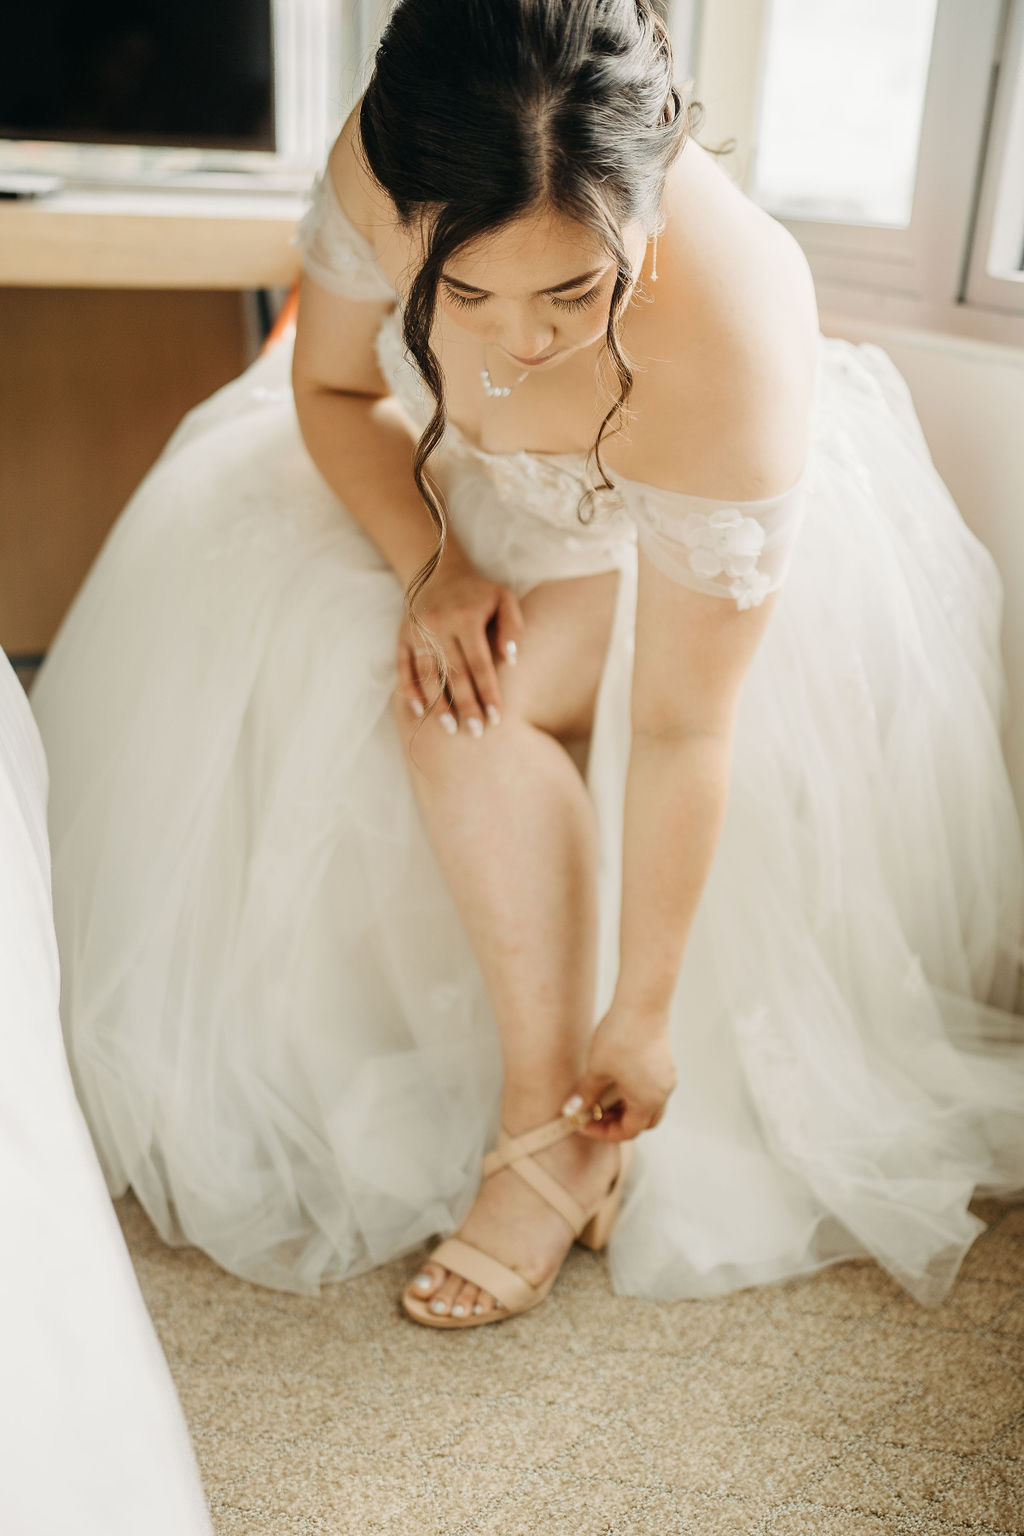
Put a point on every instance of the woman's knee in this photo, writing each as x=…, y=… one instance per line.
x=422, y=733
x=554, y=684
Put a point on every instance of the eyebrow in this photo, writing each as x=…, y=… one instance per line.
x=573, y=282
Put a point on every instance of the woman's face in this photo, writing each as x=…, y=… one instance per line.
x=537, y=290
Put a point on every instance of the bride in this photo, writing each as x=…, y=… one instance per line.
x=552, y=708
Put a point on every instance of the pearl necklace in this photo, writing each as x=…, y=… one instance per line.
x=497, y=391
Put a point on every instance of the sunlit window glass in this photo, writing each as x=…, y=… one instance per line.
x=841, y=105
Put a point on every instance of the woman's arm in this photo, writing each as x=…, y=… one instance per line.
x=693, y=650
x=692, y=654
x=676, y=792
x=356, y=432
x=363, y=447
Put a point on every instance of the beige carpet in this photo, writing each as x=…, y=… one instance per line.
x=831, y=1405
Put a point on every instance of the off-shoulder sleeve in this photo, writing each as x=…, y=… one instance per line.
x=734, y=549
x=334, y=253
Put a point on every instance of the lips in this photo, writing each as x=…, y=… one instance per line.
x=532, y=362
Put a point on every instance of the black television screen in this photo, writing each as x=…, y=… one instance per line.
x=171, y=72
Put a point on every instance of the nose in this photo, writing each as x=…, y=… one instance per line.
x=527, y=336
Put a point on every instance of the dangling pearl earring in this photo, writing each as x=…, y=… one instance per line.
x=654, y=259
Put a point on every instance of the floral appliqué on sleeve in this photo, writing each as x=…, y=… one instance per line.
x=726, y=542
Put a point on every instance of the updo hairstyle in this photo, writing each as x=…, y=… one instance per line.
x=481, y=111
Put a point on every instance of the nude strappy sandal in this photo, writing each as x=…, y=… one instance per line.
x=515, y=1293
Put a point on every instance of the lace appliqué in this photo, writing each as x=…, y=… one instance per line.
x=724, y=541
x=740, y=551
x=544, y=486
x=401, y=372
x=334, y=253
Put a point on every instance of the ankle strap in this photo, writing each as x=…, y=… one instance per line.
x=515, y=1152
x=511, y=1148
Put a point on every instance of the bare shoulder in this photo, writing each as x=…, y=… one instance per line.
x=364, y=202
x=726, y=349
x=353, y=184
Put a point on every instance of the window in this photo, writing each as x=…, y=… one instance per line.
x=840, y=120
x=888, y=136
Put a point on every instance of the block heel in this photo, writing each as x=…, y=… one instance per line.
x=598, y=1229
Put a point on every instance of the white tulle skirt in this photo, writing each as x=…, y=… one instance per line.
x=279, y=1033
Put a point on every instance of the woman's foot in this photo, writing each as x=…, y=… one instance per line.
x=510, y=1221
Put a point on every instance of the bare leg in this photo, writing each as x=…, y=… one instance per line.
x=515, y=834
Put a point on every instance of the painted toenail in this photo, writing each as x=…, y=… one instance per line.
x=478, y=1309
x=439, y=1306
x=458, y=1310
x=423, y=1282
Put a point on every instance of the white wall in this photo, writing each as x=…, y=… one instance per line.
x=969, y=397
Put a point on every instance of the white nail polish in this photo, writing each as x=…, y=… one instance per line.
x=458, y=1310
x=475, y=726
x=492, y=714
x=438, y=1307
x=449, y=724
x=511, y=652
x=422, y=1282
x=478, y=1309
x=416, y=707
x=572, y=1106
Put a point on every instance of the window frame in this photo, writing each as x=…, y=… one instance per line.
x=933, y=274
x=995, y=272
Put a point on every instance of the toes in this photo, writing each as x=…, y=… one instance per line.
x=442, y=1300
x=465, y=1301
x=448, y=1294
x=427, y=1280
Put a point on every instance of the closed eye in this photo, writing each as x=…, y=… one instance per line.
x=464, y=301
x=582, y=302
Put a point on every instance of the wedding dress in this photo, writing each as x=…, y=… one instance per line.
x=94, y=1439
x=279, y=1033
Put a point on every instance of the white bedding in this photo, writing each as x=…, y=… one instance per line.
x=92, y=1437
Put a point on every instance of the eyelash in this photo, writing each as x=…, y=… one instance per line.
x=583, y=302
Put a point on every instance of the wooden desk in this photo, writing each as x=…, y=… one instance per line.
x=159, y=238
x=119, y=311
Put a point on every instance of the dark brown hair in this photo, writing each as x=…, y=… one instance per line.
x=480, y=111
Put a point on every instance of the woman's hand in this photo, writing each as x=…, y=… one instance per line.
x=476, y=621
x=629, y=1075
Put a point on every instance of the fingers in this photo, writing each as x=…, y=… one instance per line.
x=610, y=1129
x=580, y=1103
x=480, y=662
x=469, y=711
x=618, y=1128
x=508, y=627
x=602, y=1113
x=619, y=1119
x=473, y=693
x=472, y=697
x=419, y=682
x=409, y=686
